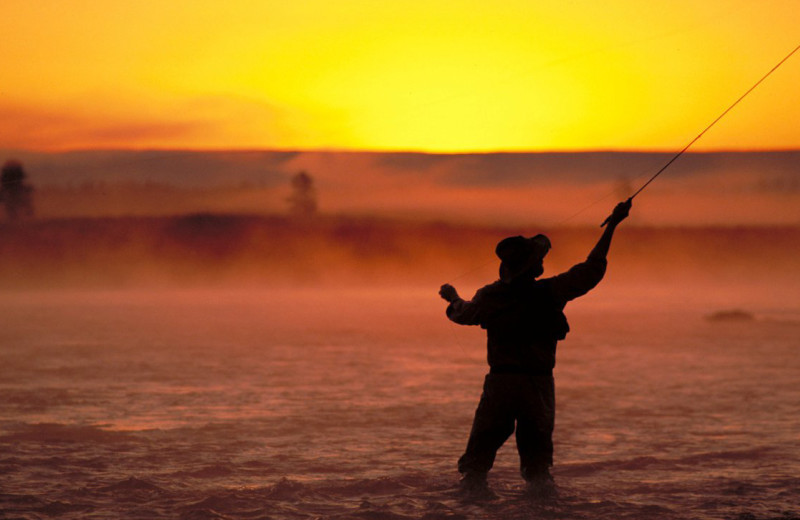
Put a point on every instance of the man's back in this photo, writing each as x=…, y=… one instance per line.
x=523, y=321
x=524, y=318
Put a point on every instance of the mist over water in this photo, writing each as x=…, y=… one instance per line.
x=213, y=366
x=356, y=403
x=209, y=250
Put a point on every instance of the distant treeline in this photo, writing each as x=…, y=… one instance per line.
x=99, y=199
x=207, y=249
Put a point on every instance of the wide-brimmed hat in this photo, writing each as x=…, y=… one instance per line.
x=518, y=254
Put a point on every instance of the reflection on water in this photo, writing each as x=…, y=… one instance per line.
x=301, y=404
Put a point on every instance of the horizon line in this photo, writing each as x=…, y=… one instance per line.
x=332, y=150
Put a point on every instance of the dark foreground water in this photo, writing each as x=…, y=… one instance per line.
x=301, y=405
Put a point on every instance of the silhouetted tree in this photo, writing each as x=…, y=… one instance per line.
x=303, y=200
x=15, y=193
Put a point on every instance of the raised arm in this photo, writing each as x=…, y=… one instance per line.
x=583, y=277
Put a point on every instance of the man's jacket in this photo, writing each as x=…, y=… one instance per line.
x=524, y=319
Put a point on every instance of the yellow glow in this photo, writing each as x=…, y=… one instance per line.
x=430, y=75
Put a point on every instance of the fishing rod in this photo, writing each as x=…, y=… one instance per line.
x=723, y=114
x=675, y=157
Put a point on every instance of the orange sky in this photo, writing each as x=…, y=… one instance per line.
x=430, y=75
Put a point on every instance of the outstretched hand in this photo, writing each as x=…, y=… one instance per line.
x=448, y=292
x=620, y=213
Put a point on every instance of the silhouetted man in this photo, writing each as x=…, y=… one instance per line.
x=524, y=319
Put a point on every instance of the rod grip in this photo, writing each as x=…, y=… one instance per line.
x=608, y=218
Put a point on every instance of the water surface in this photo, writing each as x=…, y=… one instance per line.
x=290, y=404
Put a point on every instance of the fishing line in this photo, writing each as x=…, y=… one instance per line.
x=723, y=114
x=706, y=129
x=669, y=163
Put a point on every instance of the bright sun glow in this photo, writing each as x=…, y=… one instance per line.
x=436, y=75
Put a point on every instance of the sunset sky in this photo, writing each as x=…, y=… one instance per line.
x=432, y=75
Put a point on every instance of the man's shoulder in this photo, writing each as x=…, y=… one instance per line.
x=578, y=279
x=492, y=289
x=497, y=284
x=500, y=288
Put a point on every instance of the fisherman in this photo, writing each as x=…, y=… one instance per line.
x=524, y=319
